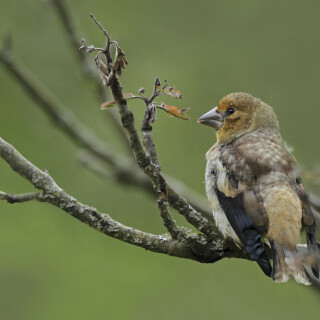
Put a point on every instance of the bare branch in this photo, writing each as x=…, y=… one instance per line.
x=197, y=201
x=151, y=170
x=137, y=179
x=186, y=236
x=140, y=180
x=202, y=250
x=85, y=65
x=104, y=31
x=102, y=222
x=159, y=182
x=66, y=121
x=73, y=38
x=19, y=198
x=148, y=167
x=82, y=136
x=168, y=222
x=129, y=175
x=53, y=194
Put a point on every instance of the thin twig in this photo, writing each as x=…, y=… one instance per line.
x=179, y=203
x=167, y=220
x=156, y=93
x=82, y=136
x=107, y=49
x=19, y=198
x=149, y=117
x=104, y=31
x=150, y=169
x=73, y=38
x=137, y=179
x=131, y=176
x=158, y=181
x=65, y=120
x=87, y=68
x=197, y=201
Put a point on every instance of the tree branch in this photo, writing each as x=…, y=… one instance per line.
x=168, y=222
x=19, y=198
x=82, y=136
x=102, y=222
x=121, y=175
x=148, y=167
x=66, y=121
x=140, y=180
x=143, y=160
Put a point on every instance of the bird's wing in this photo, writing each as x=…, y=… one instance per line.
x=247, y=232
x=242, y=163
x=248, y=167
x=246, y=160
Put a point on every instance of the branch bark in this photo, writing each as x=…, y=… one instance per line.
x=85, y=138
x=55, y=195
x=19, y=198
x=144, y=161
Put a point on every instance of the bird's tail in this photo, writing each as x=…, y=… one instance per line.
x=287, y=263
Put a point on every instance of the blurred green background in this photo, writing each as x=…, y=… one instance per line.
x=54, y=267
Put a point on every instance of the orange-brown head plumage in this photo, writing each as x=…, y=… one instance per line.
x=240, y=113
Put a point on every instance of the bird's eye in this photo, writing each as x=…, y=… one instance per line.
x=231, y=111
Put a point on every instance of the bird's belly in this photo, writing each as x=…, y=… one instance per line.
x=224, y=225
x=215, y=165
x=220, y=217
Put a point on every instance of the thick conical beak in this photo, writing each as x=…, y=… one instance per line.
x=212, y=118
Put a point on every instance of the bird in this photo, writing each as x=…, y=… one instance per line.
x=254, y=187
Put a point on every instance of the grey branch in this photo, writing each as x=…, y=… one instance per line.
x=19, y=198
x=150, y=169
x=167, y=220
x=119, y=174
x=158, y=181
x=84, y=137
x=139, y=180
x=144, y=162
x=66, y=121
x=53, y=194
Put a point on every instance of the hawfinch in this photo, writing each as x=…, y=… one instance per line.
x=254, y=188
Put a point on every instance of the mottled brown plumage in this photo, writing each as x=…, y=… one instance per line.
x=253, y=185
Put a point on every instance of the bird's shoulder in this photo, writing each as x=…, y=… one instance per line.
x=257, y=153
x=256, y=156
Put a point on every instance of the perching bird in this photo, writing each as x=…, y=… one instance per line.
x=254, y=187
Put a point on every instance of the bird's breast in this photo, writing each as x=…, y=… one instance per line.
x=214, y=167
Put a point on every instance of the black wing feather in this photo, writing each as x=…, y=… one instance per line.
x=313, y=246
x=245, y=230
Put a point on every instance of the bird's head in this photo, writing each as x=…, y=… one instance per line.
x=237, y=114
